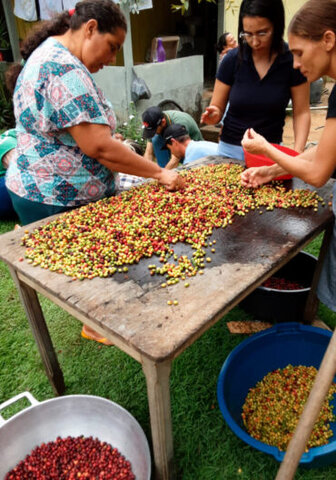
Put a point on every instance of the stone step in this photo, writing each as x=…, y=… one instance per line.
x=210, y=133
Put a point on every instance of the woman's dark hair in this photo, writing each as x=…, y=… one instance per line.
x=135, y=146
x=273, y=10
x=221, y=42
x=313, y=19
x=108, y=15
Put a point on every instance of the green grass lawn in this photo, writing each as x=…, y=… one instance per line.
x=205, y=448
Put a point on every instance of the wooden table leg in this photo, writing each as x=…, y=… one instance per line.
x=312, y=300
x=40, y=331
x=158, y=391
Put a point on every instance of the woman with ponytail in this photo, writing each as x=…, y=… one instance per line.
x=312, y=40
x=66, y=155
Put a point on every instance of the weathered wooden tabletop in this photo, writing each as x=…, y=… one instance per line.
x=133, y=307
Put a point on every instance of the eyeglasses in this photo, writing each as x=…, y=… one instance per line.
x=259, y=35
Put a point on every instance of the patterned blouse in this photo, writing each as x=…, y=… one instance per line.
x=55, y=91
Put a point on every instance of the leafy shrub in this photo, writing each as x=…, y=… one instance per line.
x=132, y=129
x=7, y=119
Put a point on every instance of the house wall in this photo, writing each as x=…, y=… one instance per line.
x=231, y=14
x=154, y=22
x=180, y=79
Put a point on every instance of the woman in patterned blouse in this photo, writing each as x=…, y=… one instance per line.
x=66, y=155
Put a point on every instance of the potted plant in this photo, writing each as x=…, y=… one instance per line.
x=5, y=48
x=7, y=119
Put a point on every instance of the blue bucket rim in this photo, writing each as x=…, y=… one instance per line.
x=292, y=327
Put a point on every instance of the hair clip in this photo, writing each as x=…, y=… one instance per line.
x=72, y=11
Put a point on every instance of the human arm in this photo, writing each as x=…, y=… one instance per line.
x=225, y=51
x=173, y=162
x=149, y=152
x=314, y=166
x=7, y=158
x=214, y=112
x=256, y=176
x=118, y=136
x=8, y=144
x=301, y=114
x=95, y=140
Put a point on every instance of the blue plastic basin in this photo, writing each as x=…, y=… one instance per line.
x=283, y=344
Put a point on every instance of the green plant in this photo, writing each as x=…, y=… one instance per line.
x=4, y=39
x=132, y=129
x=6, y=114
x=6, y=106
x=183, y=6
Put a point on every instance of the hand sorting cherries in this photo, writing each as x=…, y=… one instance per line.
x=103, y=238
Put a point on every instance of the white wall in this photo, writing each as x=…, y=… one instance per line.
x=112, y=81
x=180, y=79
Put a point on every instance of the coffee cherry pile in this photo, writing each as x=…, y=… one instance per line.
x=73, y=458
x=273, y=407
x=278, y=283
x=105, y=237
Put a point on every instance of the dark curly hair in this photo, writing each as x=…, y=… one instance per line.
x=108, y=15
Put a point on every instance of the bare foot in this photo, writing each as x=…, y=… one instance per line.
x=91, y=334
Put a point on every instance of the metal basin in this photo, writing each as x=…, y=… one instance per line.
x=72, y=415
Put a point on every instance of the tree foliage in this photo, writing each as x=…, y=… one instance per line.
x=182, y=6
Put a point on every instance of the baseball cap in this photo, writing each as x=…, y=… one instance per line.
x=151, y=119
x=173, y=131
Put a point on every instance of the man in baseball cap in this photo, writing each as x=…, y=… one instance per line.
x=183, y=148
x=151, y=120
x=155, y=121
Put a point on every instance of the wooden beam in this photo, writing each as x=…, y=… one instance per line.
x=158, y=391
x=128, y=54
x=31, y=304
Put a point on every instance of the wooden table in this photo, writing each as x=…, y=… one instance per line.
x=133, y=312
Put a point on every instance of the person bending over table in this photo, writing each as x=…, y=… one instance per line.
x=155, y=121
x=183, y=149
x=7, y=152
x=258, y=79
x=66, y=155
x=312, y=40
